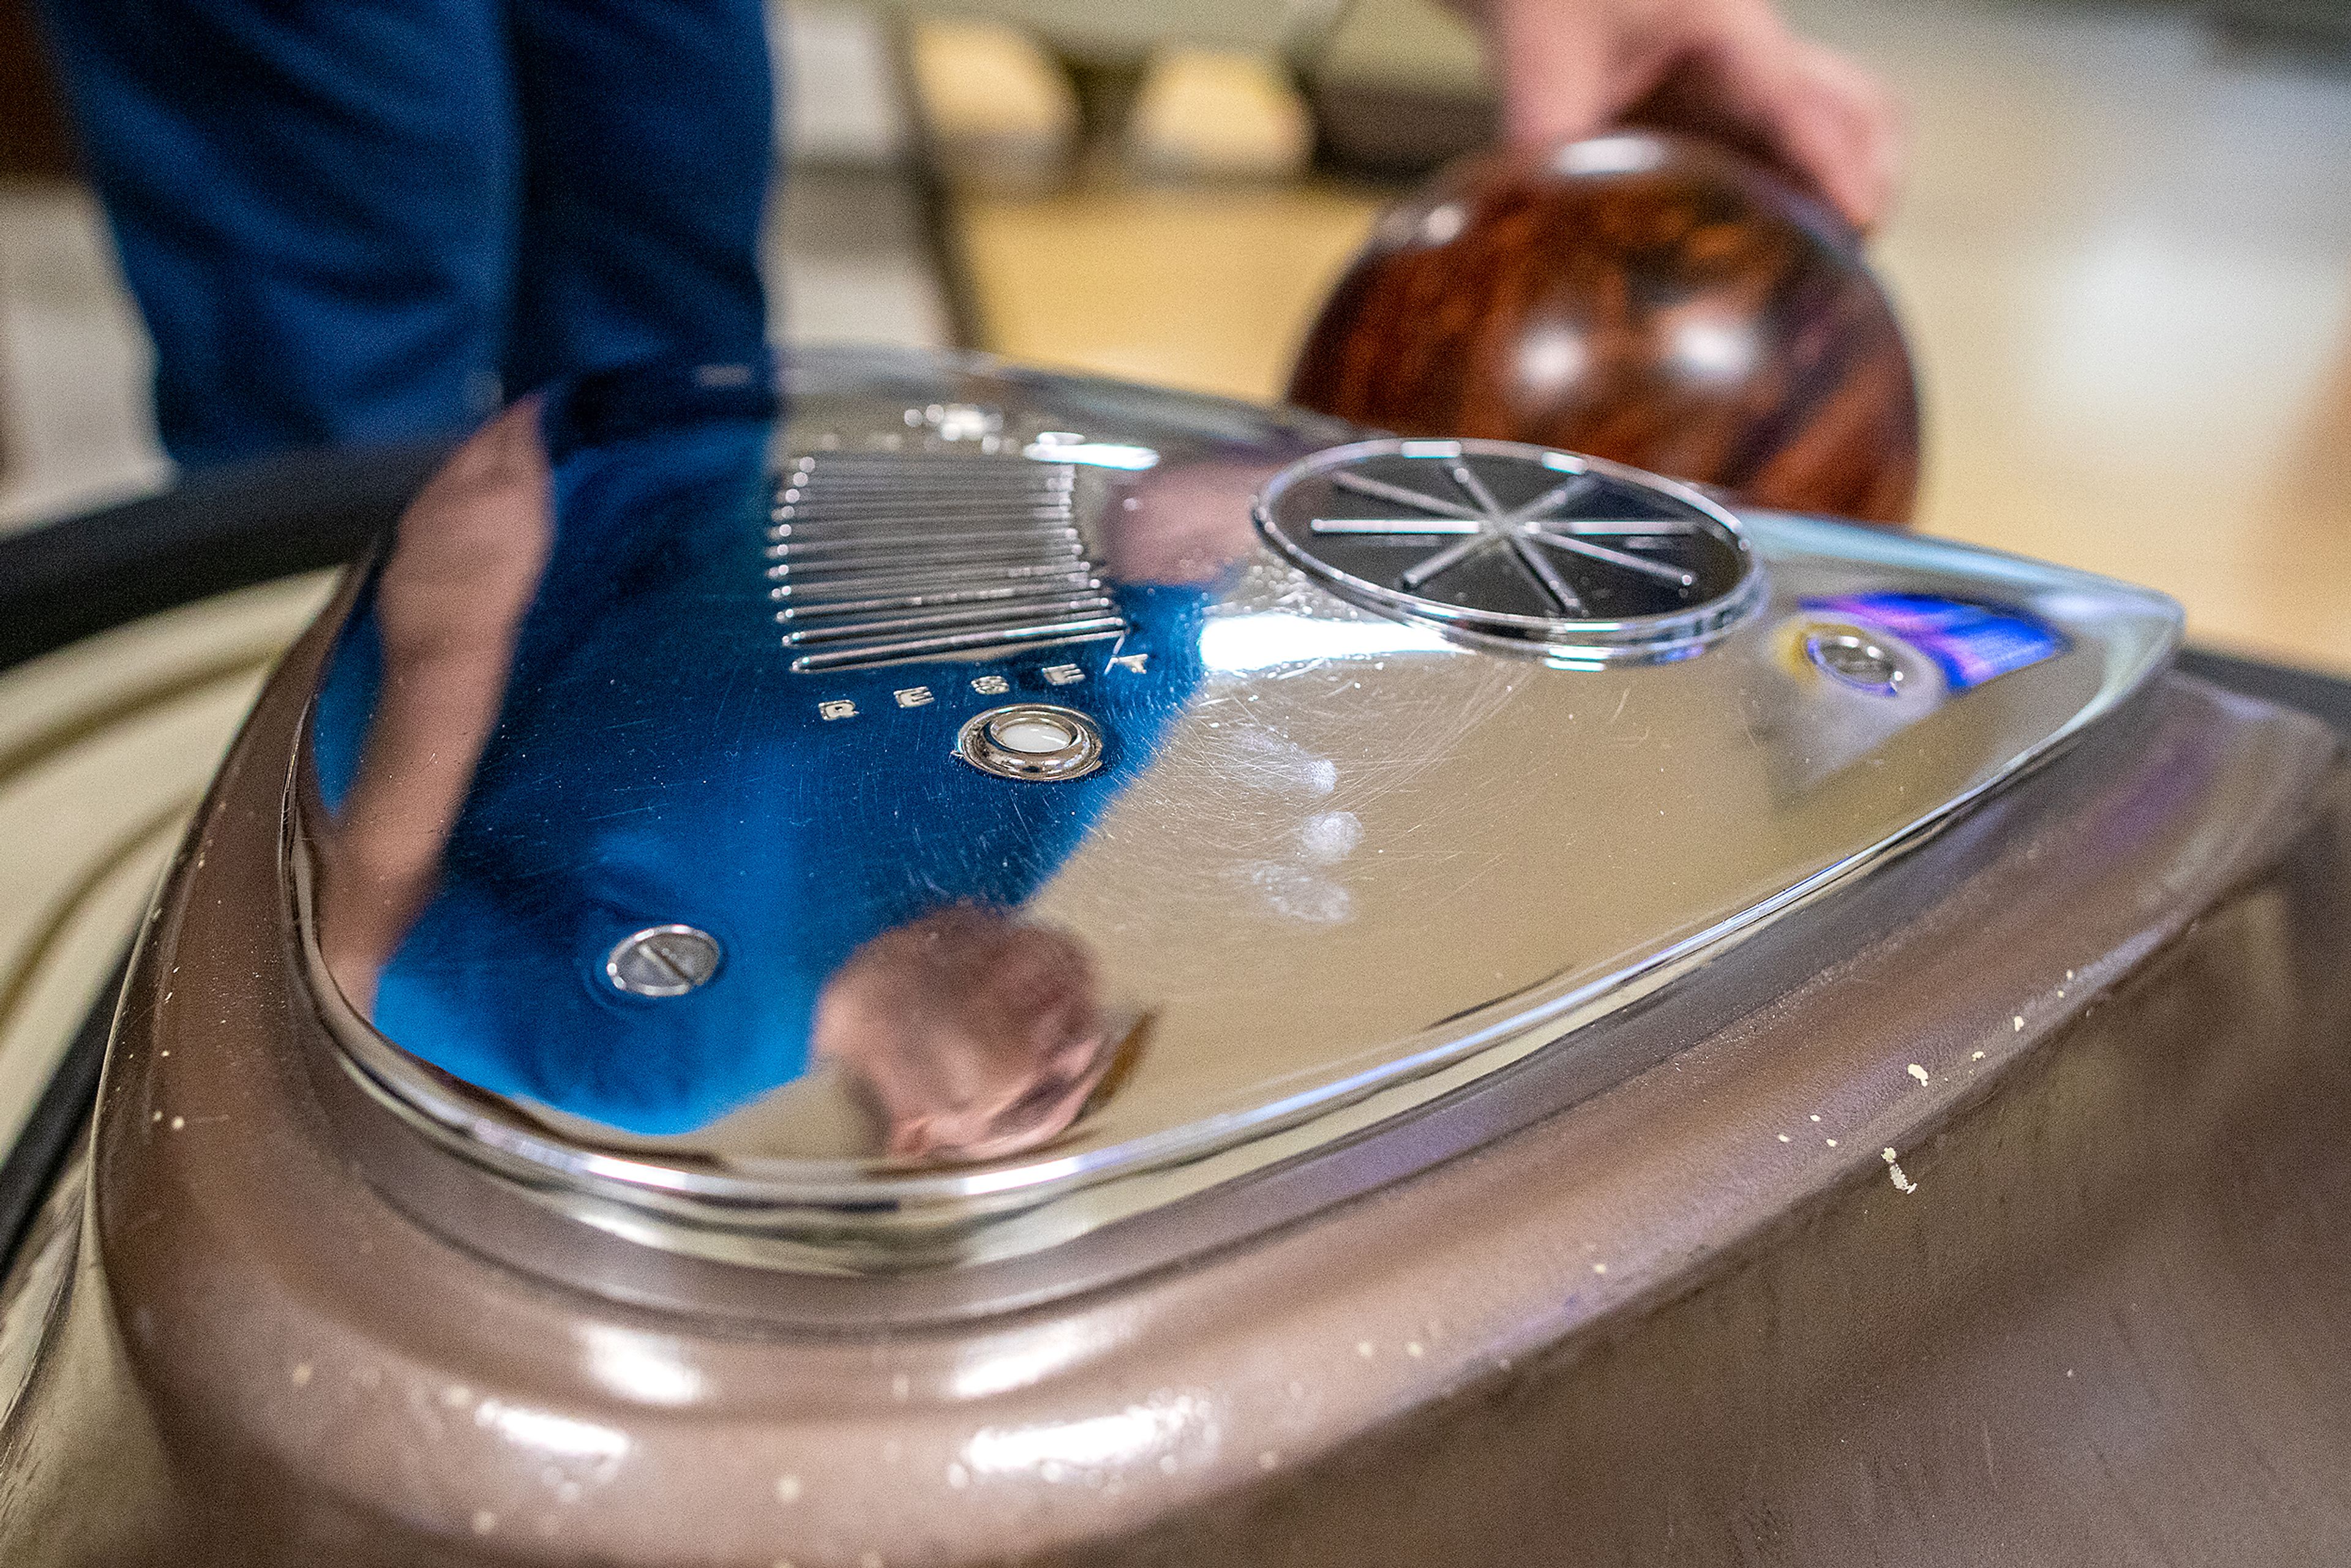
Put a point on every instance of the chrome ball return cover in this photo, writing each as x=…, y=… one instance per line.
x=1386, y=765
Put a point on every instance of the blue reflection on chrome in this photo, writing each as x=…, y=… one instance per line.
x=653, y=759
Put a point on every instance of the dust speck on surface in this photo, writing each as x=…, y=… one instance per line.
x=787, y=1488
x=1364, y=1348
x=485, y=1522
x=1412, y=1348
x=1816, y=1115
x=300, y=1374
x=1600, y=1268
x=1829, y=1141
x=2069, y=1372
x=1785, y=1139
x=1917, y=1071
x=1894, y=1169
x=456, y=1394
x=178, y=1122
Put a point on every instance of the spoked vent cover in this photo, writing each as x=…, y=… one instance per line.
x=1518, y=546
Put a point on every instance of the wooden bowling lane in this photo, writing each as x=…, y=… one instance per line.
x=2124, y=261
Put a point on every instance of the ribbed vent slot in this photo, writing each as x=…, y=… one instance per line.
x=879, y=556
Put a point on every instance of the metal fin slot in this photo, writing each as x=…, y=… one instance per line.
x=820, y=608
x=918, y=527
x=900, y=516
x=1037, y=543
x=981, y=485
x=1015, y=614
x=925, y=495
x=793, y=560
x=881, y=557
x=891, y=462
x=1047, y=634
x=802, y=589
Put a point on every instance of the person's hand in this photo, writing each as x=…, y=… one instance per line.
x=1727, y=69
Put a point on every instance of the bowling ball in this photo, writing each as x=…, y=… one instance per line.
x=1656, y=299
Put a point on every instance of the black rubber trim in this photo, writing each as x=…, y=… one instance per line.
x=218, y=530
x=56, y=1120
x=2321, y=697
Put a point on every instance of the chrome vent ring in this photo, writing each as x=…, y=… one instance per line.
x=1516, y=547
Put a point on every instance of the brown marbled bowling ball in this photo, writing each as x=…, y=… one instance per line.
x=1656, y=299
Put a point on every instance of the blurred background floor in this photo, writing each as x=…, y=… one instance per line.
x=2125, y=260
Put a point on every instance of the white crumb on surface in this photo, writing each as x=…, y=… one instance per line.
x=1785, y=1139
x=1894, y=1168
x=1917, y=1071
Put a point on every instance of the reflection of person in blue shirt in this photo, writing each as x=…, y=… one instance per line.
x=654, y=760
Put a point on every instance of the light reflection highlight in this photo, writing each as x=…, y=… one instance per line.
x=555, y=1436
x=640, y=1366
x=1094, y=1442
x=1260, y=641
x=1069, y=447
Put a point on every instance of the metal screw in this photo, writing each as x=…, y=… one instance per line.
x=1855, y=660
x=662, y=961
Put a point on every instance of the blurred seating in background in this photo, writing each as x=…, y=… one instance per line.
x=2124, y=258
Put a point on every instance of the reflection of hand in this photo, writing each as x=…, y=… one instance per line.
x=463, y=570
x=977, y=1037
x=1726, y=68
x=1184, y=523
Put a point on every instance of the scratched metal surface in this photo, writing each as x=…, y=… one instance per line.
x=1336, y=863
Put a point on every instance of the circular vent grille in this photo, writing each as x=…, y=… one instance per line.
x=1518, y=546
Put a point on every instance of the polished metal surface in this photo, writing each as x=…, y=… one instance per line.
x=1517, y=547
x=1334, y=864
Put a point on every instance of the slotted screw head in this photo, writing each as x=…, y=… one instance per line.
x=662, y=961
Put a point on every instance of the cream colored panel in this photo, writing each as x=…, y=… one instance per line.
x=104, y=748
